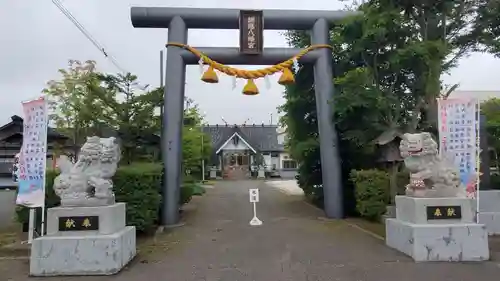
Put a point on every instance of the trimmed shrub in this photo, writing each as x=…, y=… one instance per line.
x=187, y=192
x=371, y=191
x=139, y=186
x=188, y=178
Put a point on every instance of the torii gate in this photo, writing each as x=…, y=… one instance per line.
x=179, y=20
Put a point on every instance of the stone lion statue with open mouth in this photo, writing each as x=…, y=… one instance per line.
x=430, y=175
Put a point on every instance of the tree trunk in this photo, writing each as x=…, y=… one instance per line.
x=433, y=91
x=393, y=182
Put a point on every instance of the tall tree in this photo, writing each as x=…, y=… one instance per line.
x=196, y=145
x=442, y=36
x=70, y=99
x=491, y=110
x=487, y=25
x=126, y=107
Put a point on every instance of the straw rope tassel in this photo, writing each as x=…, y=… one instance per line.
x=250, y=88
x=210, y=76
x=286, y=78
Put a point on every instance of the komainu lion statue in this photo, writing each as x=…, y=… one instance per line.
x=88, y=181
x=430, y=176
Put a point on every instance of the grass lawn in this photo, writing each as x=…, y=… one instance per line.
x=9, y=235
x=10, y=242
x=198, y=189
x=208, y=182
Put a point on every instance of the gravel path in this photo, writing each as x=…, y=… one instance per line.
x=293, y=243
x=289, y=187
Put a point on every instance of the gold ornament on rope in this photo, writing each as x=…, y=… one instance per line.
x=287, y=78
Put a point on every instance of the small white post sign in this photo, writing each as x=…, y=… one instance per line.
x=254, y=198
x=254, y=195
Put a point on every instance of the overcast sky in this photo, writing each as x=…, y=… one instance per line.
x=37, y=39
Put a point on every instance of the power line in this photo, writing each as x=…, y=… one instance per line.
x=87, y=34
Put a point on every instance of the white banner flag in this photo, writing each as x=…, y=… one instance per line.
x=33, y=156
x=459, y=138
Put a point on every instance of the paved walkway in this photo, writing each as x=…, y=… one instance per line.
x=292, y=244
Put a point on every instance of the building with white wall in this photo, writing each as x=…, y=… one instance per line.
x=239, y=150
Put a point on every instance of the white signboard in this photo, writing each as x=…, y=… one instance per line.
x=254, y=195
x=459, y=138
x=254, y=198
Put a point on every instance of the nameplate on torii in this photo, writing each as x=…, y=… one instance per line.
x=251, y=32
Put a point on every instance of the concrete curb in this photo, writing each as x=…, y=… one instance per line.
x=14, y=258
x=372, y=234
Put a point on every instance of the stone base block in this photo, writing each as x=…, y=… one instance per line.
x=489, y=210
x=438, y=242
x=414, y=209
x=390, y=213
x=82, y=255
x=492, y=222
x=489, y=201
x=111, y=218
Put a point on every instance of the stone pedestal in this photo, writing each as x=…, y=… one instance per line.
x=84, y=241
x=390, y=213
x=489, y=210
x=213, y=174
x=437, y=229
x=261, y=174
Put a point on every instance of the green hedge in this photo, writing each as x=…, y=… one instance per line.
x=187, y=192
x=138, y=185
x=371, y=191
